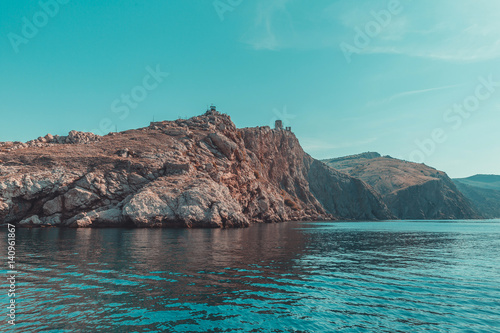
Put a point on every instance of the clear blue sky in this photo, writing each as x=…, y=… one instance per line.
x=70, y=68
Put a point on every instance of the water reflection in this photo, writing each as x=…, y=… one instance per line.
x=299, y=277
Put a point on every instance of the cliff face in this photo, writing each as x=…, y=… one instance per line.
x=199, y=172
x=288, y=167
x=343, y=195
x=483, y=191
x=410, y=190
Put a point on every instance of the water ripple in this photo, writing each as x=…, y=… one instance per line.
x=294, y=277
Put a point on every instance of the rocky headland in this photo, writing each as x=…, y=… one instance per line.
x=410, y=190
x=197, y=172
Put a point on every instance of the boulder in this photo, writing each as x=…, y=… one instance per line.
x=53, y=206
x=111, y=216
x=78, y=198
x=76, y=137
x=223, y=144
x=31, y=221
x=49, y=137
x=52, y=220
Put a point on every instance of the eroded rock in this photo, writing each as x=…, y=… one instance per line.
x=185, y=202
x=78, y=198
x=197, y=172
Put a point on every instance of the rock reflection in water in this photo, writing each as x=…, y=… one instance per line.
x=307, y=277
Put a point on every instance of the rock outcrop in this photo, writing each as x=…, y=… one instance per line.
x=197, y=172
x=410, y=190
x=73, y=137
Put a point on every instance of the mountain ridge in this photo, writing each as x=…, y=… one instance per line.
x=410, y=190
x=482, y=190
x=196, y=172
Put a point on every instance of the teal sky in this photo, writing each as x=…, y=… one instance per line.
x=73, y=67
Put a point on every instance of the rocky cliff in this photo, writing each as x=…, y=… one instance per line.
x=198, y=172
x=410, y=190
x=483, y=191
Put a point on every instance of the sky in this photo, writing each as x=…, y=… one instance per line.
x=416, y=80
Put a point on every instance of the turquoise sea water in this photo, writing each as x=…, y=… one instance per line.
x=401, y=276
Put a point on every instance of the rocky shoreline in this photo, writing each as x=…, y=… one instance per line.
x=197, y=172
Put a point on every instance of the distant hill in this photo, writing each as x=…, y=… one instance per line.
x=483, y=191
x=491, y=182
x=410, y=190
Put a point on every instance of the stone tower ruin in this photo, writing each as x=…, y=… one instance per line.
x=278, y=124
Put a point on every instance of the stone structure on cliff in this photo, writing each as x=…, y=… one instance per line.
x=278, y=125
x=197, y=172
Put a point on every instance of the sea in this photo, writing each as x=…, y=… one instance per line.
x=390, y=276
